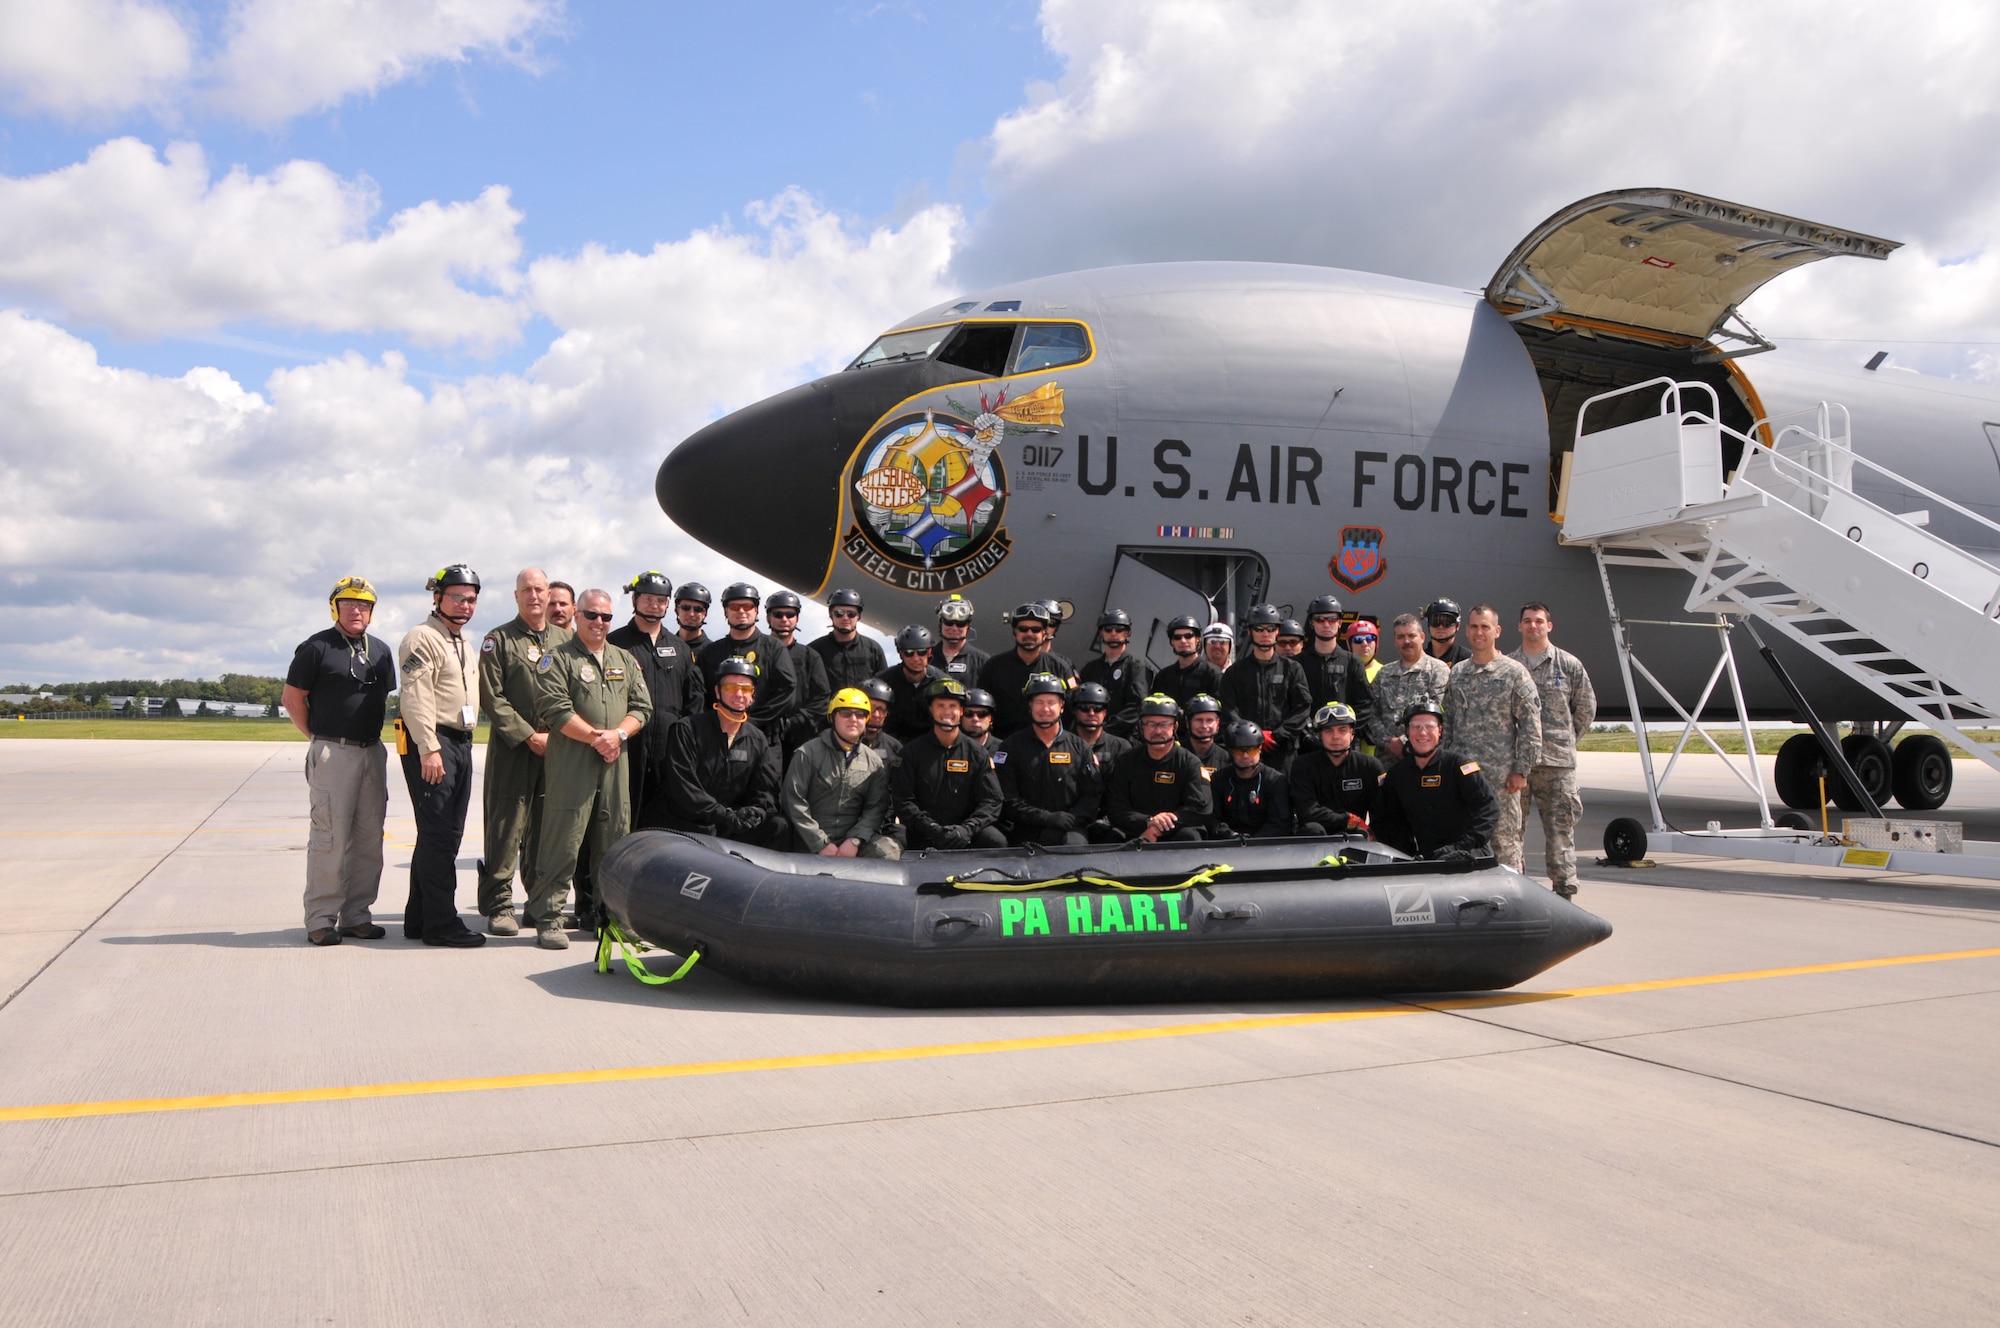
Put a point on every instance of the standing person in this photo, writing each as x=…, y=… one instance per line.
x=978, y=721
x=1335, y=674
x=1050, y=786
x=1434, y=803
x=592, y=699
x=1089, y=704
x=836, y=793
x=1218, y=645
x=562, y=605
x=1204, y=728
x=909, y=684
x=781, y=615
x=1126, y=677
x=337, y=693
x=691, y=613
x=673, y=685
x=723, y=772
x=849, y=656
x=1190, y=674
x=1005, y=675
x=874, y=732
x=944, y=789
x=777, y=682
x=1362, y=636
x=1159, y=791
x=1251, y=799
x=1291, y=638
x=512, y=788
x=955, y=656
x=1443, y=616
x=1412, y=678
x=440, y=704
x=1568, y=704
x=1493, y=716
x=1334, y=784
x=1267, y=689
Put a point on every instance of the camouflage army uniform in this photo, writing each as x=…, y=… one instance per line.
x=1493, y=715
x=1569, y=703
x=1399, y=686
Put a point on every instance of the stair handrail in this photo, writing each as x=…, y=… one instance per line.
x=1670, y=401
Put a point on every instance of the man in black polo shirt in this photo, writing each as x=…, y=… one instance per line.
x=1158, y=790
x=336, y=693
x=944, y=789
x=1050, y=785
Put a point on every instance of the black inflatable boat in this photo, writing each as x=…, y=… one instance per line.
x=1152, y=922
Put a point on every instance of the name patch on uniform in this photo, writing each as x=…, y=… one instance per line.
x=958, y=766
x=739, y=753
x=545, y=663
x=1470, y=767
x=1349, y=785
x=587, y=673
x=1163, y=776
x=614, y=673
x=1432, y=781
x=665, y=652
x=1059, y=758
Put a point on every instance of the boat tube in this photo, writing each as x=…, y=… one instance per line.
x=1224, y=919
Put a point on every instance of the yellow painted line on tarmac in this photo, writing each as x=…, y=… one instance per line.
x=100, y=834
x=875, y=1056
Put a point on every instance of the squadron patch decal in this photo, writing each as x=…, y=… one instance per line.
x=1360, y=563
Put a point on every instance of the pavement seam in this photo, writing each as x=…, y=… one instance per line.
x=143, y=878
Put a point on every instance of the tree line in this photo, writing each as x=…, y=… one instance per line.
x=240, y=687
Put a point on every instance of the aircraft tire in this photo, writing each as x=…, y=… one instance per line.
x=1624, y=841
x=1790, y=821
x=1872, y=764
x=1922, y=772
x=1797, y=772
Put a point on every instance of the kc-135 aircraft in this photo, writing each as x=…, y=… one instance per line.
x=1198, y=437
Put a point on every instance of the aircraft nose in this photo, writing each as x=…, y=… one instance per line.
x=762, y=485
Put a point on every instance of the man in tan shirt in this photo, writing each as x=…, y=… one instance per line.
x=440, y=708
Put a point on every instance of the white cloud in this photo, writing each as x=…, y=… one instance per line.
x=287, y=57
x=90, y=57
x=152, y=246
x=1425, y=139
x=182, y=526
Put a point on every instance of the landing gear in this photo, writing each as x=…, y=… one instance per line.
x=1624, y=842
x=1800, y=767
x=1921, y=772
x=1868, y=756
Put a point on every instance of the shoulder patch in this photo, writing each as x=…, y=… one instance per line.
x=1208, y=774
x=488, y=646
x=410, y=662
x=999, y=758
x=1469, y=768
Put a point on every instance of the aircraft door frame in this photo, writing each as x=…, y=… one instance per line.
x=1155, y=584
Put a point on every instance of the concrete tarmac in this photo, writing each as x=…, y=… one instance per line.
x=1728, y=1113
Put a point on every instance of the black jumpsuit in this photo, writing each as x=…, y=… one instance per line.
x=1443, y=805
x=718, y=787
x=947, y=796
x=674, y=682
x=1050, y=792
x=1324, y=795
x=1139, y=787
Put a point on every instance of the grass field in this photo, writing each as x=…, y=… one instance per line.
x=170, y=730
x=1768, y=741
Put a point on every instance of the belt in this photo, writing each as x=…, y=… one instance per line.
x=462, y=734
x=347, y=742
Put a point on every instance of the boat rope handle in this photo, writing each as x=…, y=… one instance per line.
x=612, y=943
x=1205, y=876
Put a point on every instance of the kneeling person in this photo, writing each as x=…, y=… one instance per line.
x=1334, y=784
x=837, y=789
x=1158, y=790
x=944, y=789
x=722, y=769
x=1049, y=783
x=1251, y=799
x=1434, y=803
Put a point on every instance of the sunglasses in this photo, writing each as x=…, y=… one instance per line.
x=784, y=613
x=845, y=614
x=1358, y=637
x=595, y=617
x=1180, y=636
x=912, y=654
x=1090, y=709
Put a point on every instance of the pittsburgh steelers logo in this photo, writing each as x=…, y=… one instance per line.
x=929, y=494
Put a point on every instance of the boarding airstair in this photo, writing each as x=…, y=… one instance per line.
x=1786, y=542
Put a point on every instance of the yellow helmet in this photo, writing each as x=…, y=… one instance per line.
x=349, y=587
x=849, y=698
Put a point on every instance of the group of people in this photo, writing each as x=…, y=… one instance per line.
x=828, y=747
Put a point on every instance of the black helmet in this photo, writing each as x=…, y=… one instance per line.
x=694, y=592
x=458, y=574
x=782, y=599
x=1159, y=703
x=736, y=590
x=1262, y=615
x=1187, y=622
x=954, y=608
x=878, y=690
x=1027, y=613
x=947, y=689
x=1291, y=627
x=1421, y=708
x=1044, y=684
x=1114, y=618
x=1323, y=604
x=1443, y=608
x=735, y=667
x=1201, y=703
x=1090, y=694
x=1336, y=712
x=1054, y=610
x=913, y=637
x=845, y=599
x=1241, y=734
x=978, y=698
x=650, y=583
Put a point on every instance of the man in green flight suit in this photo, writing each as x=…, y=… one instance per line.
x=592, y=699
x=515, y=745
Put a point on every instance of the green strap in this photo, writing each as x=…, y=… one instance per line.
x=612, y=943
x=1203, y=877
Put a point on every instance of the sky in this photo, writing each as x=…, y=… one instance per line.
x=292, y=289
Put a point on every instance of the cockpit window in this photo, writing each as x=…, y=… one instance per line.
x=902, y=347
x=1049, y=345
x=980, y=347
